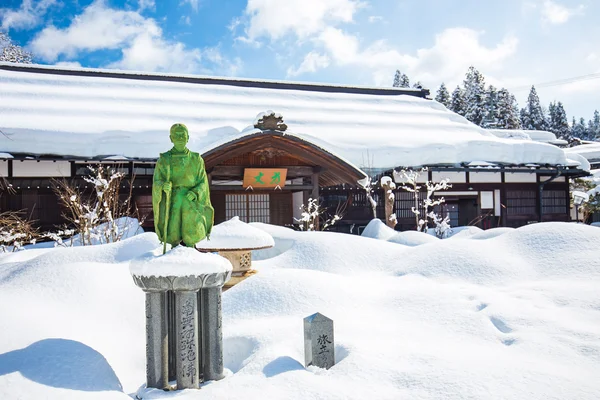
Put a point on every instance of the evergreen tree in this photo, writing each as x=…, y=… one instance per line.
x=12, y=52
x=579, y=129
x=491, y=108
x=443, y=96
x=404, y=81
x=397, y=79
x=558, y=122
x=418, y=85
x=535, y=118
x=507, y=111
x=474, y=96
x=594, y=127
x=524, y=118
x=457, y=104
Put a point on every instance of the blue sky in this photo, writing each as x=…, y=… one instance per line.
x=515, y=43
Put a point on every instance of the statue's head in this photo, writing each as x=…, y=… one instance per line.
x=179, y=136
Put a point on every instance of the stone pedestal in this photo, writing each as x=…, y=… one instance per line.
x=184, y=325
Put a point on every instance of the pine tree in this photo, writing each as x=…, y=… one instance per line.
x=474, y=96
x=12, y=52
x=457, y=104
x=404, y=81
x=579, y=129
x=443, y=96
x=524, y=118
x=594, y=127
x=507, y=111
x=417, y=85
x=397, y=79
x=491, y=108
x=535, y=120
x=558, y=122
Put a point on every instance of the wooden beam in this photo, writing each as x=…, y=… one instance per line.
x=240, y=188
x=294, y=171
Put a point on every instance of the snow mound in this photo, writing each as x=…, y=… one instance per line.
x=236, y=234
x=491, y=233
x=376, y=229
x=412, y=238
x=522, y=305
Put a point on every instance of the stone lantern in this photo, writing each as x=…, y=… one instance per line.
x=235, y=240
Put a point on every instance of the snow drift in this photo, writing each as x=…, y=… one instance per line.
x=510, y=314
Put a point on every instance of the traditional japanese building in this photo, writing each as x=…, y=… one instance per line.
x=322, y=141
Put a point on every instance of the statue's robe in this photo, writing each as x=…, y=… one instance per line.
x=188, y=221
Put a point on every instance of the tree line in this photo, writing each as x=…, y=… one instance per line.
x=494, y=108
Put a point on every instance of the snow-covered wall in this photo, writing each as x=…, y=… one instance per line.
x=29, y=169
x=92, y=116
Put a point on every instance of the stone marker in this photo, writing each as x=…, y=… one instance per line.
x=319, y=346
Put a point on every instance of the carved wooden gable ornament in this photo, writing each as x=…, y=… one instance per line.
x=270, y=120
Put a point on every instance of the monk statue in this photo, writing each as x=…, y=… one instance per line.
x=180, y=194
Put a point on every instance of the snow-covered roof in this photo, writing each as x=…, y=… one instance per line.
x=86, y=113
x=590, y=151
x=536, y=136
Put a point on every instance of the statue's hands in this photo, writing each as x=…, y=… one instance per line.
x=167, y=186
x=191, y=196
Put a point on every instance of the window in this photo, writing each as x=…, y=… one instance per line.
x=554, y=202
x=405, y=201
x=521, y=202
x=248, y=207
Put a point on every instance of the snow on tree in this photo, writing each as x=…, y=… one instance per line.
x=397, y=79
x=411, y=178
x=474, y=95
x=418, y=85
x=532, y=116
x=491, y=108
x=443, y=96
x=457, y=104
x=312, y=218
x=579, y=129
x=102, y=218
x=558, y=122
x=507, y=114
x=12, y=52
x=594, y=127
x=404, y=81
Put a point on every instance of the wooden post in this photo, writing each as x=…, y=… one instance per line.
x=315, y=193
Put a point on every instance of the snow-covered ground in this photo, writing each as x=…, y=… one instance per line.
x=500, y=314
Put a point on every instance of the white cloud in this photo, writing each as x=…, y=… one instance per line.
x=300, y=17
x=146, y=5
x=555, y=13
x=454, y=50
x=185, y=19
x=313, y=61
x=29, y=15
x=193, y=3
x=375, y=18
x=140, y=40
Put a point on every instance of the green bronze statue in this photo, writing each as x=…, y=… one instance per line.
x=180, y=194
